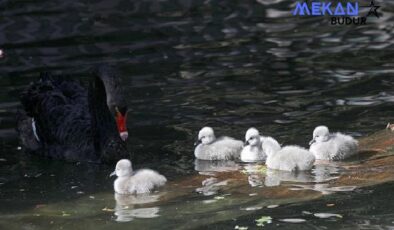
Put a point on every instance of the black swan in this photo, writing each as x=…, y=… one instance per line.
x=63, y=120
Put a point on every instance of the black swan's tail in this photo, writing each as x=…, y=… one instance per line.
x=26, y=132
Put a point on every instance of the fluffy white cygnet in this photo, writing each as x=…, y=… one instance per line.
x=290, y=158
x=256, y=146
x=140, y=181
x=212, y=148
x=332, y=146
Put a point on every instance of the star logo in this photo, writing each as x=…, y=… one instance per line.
x=373, y=9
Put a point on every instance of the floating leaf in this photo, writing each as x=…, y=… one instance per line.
x=219, y=198
x=273, y=206
x=263, y=220
x=241, y=227
x=330, y=205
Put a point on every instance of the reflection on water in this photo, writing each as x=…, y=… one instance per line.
x=204, y=166
x=126, y=215
x=258, y=175
x=275, y=177
x=228, y=64
x=255, y=180
x=326, y=171
x=318, y=179
x=126, y=208
x=211, y=186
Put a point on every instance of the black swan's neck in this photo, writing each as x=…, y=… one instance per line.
x=105, y=134
x=113, y=86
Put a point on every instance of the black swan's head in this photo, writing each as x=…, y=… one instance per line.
x=115, y=97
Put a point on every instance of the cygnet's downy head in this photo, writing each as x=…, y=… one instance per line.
x=206, y=136
x=320, y=134
x=252, y=137
x=123, y=168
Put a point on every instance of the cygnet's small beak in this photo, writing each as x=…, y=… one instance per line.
x=197, y=142
x=312, y=141
x=246, y=143
x=112, y=174
x=124, y=135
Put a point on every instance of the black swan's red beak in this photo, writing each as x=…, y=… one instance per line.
x=121, y=123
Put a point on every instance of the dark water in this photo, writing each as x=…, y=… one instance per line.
x=187, y=64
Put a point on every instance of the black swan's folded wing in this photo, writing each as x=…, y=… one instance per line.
x=62, y=119
x=73, y=123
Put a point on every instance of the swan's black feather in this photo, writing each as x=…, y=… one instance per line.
x=72, y=123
